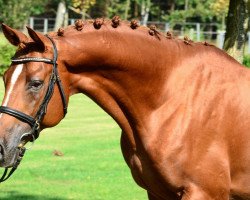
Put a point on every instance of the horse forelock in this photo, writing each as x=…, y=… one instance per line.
x=26, y=48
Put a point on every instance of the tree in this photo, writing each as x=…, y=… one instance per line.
x=126, y=9
x=81, y=6
x=237, y=26
x=117, y=7
x=61, y=15
x=145, y=10
x=100, y=9
x=220, y=10
x=190, y=10
x=15, y=13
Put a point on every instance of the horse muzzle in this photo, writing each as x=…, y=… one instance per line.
x=7, y=158
x=10, y=149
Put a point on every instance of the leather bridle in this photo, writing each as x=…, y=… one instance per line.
x=34, y=122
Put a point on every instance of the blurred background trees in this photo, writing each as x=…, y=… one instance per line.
x=16, y=12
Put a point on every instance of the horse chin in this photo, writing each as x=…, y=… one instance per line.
x=10, y=159
x=11, y=153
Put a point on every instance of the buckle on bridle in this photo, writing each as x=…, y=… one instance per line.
x=37, y=125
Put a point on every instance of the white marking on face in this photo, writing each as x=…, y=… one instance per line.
x=13, y=81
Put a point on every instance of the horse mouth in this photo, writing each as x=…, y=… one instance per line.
x=10, y=153
x=7, y=160
x=2, y=153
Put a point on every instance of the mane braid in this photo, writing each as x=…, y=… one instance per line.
x=116, y=22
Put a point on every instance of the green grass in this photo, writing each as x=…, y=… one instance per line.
x=92, y=167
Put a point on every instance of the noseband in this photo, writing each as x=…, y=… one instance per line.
x=34, y=122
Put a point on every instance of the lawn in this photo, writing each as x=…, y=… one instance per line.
x=92, y=167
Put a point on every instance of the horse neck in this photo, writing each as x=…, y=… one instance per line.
x=123, y=70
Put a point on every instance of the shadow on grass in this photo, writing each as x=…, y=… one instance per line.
x=13, y=195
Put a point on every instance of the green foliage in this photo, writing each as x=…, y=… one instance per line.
x=16, y=12
x=83, y=4
x=220, y=7
x=173, y=11
x=116, y=7
x=246, y=61
x=6, y=52
x=193, y=10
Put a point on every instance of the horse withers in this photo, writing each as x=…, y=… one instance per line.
x=183, y=107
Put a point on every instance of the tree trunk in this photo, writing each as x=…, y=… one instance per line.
x=83, y=13
x=100, y=9
x=127, y=9
x=237, y=26
x=172, y=7
x=145, y=9
x=186, y=4
x=60, y=16
x=134, y=10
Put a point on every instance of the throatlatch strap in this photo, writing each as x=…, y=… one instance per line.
x=57, y=78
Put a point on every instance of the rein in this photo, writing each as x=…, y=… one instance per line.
x=34, y=122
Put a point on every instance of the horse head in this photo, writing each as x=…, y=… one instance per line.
x=31, y=103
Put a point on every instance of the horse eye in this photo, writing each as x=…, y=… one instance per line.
x=35, y=85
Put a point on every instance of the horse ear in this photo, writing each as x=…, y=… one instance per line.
x=15, y=37
x=38, y=38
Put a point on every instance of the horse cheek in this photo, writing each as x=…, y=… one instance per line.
x=54, y=113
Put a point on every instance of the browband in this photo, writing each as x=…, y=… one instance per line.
x=31, y=59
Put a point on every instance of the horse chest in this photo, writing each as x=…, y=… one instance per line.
x=145, y=172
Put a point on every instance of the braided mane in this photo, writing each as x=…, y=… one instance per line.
x=116, y=22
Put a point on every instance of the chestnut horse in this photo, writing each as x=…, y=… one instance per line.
x=183, y=107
